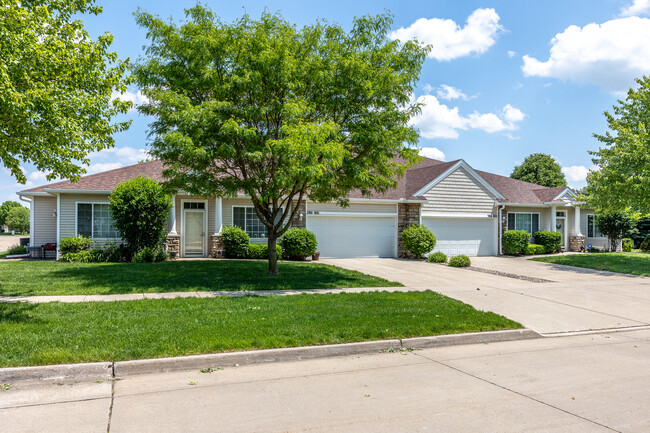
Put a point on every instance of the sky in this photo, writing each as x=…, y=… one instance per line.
x=504, y=79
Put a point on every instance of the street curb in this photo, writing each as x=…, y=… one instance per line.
x=107, y=370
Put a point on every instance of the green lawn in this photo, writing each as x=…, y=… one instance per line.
x=36, y=334
x=626, y=263
x=25, y=278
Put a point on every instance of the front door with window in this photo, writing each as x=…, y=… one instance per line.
x=560, y=228
x=194, y=230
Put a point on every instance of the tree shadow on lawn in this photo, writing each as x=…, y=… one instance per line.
x=17, y=312
x=181, y=276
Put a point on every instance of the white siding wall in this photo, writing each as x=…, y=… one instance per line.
x=459, y=193
x=44, y=229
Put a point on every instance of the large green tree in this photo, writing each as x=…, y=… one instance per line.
x=55, y=87
x=277, y=112
x=5, y=207
x=622, y=179
x=18, y=218
x=541, y=169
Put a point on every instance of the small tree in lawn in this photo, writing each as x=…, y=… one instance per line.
x=615, y=226
x=140, y=210
x=277, y=112
x=18, y=218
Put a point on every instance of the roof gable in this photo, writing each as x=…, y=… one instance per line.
x=457, y=165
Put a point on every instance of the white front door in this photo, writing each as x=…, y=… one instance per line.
x=194, y=233
x=560, y=227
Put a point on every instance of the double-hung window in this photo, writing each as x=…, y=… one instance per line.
x=246, y=219
x=528, y=222
x=94, y=221
x=592, y=228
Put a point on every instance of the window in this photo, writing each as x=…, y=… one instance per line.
x=245, y=218
x=592, y=228
x=193, y=205
x=528, y=222
x=94, y=221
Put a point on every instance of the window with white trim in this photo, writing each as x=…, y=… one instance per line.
x=526, y=221
x=246, y=219
x=592, y=228
x=94, y=221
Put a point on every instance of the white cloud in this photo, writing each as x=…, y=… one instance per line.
x=512, y=53
x=637, y=7
x=137, y=98
x=610, y=55
x=449, y=93
x=448, y=39
x=440, y=121
x=432, y=152
x=103, y=166
x=125, y=155
x=576, y=173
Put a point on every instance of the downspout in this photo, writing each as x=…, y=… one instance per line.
x=31, y=218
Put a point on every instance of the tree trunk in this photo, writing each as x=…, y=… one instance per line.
x=273, y=255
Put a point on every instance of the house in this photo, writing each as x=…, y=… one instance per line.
x=466, y=209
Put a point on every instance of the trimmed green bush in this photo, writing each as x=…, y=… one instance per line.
x=299, y=244
x=534, y=249
x=552, y=241
x=149, y=255
x=628, y=244
x=74, y=244
x=236, y=242
x=437, y=258
x=140, y=210
x=17, y=249
x=461, y=261
x=418, y=240
x=262, y=251
x=84, y=256
x=515, y=241
x=645, y=245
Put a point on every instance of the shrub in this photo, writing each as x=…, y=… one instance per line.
x=628, y=244
x=418, y=240
x=515, y=241
x=645, y=245
x=74, y=245
x=534, y=249
x=81, y=257
x=460, y=261
x=235, y=242
x=140, y=210
x=97, y=255
x=594, y=250
x=262, y=251
x=114, y=252
x=552, y=241
x=437, y=258
x=17, y=249
x=299, y=243
x=149, y=255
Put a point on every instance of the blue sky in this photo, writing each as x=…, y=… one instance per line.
x=505, y=78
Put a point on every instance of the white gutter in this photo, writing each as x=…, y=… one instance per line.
x=33, y=194
x=31, y=218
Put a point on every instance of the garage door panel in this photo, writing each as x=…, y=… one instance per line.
x=455, y=236
x=341, y=236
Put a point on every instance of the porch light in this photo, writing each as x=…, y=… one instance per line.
x=300, y=216
x=54, y=213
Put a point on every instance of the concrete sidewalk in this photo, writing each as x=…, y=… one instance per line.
x=588, y=383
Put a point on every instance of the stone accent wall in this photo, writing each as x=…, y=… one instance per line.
x=576, y=243
x=407, y=214
x=295, y=222
x=174, y=244
x=216, y=246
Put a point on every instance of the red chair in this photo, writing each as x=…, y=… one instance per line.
x=49, y=248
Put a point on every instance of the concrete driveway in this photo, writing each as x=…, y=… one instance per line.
x=586, y=383
x=8, y=241
x=572, y=299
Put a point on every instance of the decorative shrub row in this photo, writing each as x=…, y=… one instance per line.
x=261, y=251
x=534, y=249
x=552, y=241
x=74, y=245
x=16, y=250
x=418, y=240
x=628, y=244
x=296, y=244
x=437, y=258
x=515, y=241
x=77, y=249
x=461, y=261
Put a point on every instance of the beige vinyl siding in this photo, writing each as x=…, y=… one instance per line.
x=69, y=213
x=459, y=193
x=44, y=229
x=227, y=205
x=584, y=229
x=353, y=208
x=544, y=215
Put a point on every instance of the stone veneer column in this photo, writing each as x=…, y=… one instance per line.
x=297, y=221
x=174, y=244
x=216, y=246
x=576, y=243
x=407, y=215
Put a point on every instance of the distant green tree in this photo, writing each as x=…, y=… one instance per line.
x=616, y=226
x=18, y=219
x=622, y=179
x=55, y=87
x=5, y=208
x=541, y=169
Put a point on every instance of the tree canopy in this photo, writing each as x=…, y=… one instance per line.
x=18, y=218
x=622, y=179
x=5, y=208
x=616, y=226
x=541, y=169
x=277, y=112
x=55, y=87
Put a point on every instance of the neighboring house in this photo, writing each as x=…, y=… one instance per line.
x=466, y=209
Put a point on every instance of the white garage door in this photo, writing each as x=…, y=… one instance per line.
x=471, y=237
x=343, y=236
